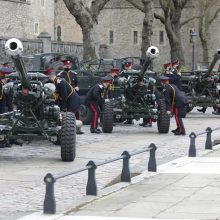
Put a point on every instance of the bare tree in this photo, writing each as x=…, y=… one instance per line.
x=146, y=6
x=206, y=19
x=171, y=18
x=87, y=18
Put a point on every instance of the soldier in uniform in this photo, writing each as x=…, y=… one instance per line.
x=127, y=66
x=65, y=96
x=94, y=99
x=175, y=104
x=171, y=73
x=3, y=81
x=69, y=75
x=113, y=75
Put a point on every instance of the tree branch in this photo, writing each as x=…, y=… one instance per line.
x=214, y=16
x=137, y=4
x=97, y=6
x=160, y=17
x=188, y=20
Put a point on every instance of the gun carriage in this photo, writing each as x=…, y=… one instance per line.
x=36, y=115
x=137, y=99
x=203, y=87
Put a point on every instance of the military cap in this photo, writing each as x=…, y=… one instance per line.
x=176, y=63
x=106, y=78
x=49, y=71
x=167, y=65
x=115, y=70
x=164, y=78
x=6, y=64
x=67, y=64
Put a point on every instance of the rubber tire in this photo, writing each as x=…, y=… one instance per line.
x=107, y=117
x=68, y=136
x=87, y=116
x=163, y=121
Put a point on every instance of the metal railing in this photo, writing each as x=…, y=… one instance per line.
x=91, y=188
x=208, y=143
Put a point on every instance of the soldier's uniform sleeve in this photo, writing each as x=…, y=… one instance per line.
x=168, y=97
x=97, y=93
x=75, y=78
x=62, y=90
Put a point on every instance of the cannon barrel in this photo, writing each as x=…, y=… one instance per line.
x=214, y=60
x=152, y=53
x=14, y=48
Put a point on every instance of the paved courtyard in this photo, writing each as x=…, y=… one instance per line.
x=22, y=168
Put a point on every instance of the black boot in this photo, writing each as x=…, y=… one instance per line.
x=95, y=130
x=128, y=122
x=177, y=129
x=203, y=110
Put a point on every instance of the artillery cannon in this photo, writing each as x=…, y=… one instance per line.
x=138, y=99
x=37, y=116
x=203, y=88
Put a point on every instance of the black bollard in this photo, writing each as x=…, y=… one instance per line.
x=49, y=200
x=91, y=188
x=208, y=143
x=125, y=173
x=152, y=165
x=192, y=147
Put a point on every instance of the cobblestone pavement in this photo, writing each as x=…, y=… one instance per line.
x=22, y=168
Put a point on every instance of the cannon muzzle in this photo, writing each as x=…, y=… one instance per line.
x=214, y=60
x=13, y=47
x=152, y=52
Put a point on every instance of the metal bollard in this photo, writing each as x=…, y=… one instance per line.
x=49, y=200
x=208, y=143
x=91, y=188
x=192, y=147
x=125, y=173
x=152, y=165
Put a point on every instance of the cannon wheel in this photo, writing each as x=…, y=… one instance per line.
x=68, y=137
x=85, y=112
x=107, y=117
x=163, y=121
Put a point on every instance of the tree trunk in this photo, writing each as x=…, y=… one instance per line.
x=90, y=43
x=147, y=29
x=204, y=42
x=203, y=35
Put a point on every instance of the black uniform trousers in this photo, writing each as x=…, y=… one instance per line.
x=94, y=106
x=178, y=112
x=2, y=105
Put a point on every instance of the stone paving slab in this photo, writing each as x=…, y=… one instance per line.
x=22, y=168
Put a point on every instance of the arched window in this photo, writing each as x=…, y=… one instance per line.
x=59, y=32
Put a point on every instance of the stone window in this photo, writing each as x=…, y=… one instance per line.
x=161, y=37
x=42, y=3
x=135, y=37
x=111, y=37
x=36, y=28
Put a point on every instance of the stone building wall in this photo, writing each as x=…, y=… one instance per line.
x=26, y=18
x=70, y=30
x=124, y=19
x=35, y=46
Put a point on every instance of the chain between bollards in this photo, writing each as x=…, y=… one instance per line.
x=91, y=188
x=208, y=143
x=152, y=165
x=192, y=147
x=125, y=174
x=49, y=200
